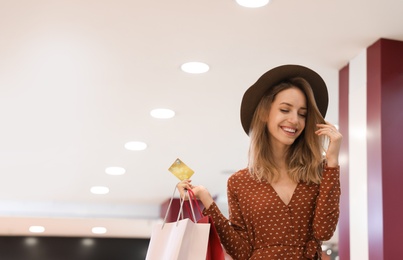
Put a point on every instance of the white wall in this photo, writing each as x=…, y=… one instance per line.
x=358, y=157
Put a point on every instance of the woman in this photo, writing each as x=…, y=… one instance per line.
x=286, y=202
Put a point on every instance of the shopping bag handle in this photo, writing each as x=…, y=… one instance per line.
x=180, y=208
x=182, y=201
x=192, y=199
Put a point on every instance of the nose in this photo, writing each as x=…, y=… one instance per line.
x=293, y=118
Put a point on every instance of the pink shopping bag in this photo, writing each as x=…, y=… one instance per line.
x=180, y=240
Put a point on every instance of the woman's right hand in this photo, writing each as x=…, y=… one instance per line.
x=200, y=192
x=184, y=185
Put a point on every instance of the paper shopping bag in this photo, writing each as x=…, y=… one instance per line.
x=214, y=247
x=181, y=240
x=215, y=250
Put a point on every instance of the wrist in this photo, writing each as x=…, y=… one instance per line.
x=206, y=199
x=332, y=163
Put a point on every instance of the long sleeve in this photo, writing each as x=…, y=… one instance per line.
x=262, y=226
x=327, y=205
x=233, y=233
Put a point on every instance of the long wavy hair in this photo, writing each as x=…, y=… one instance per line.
x=304, y=157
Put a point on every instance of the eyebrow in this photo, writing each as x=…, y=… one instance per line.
x=288, y=104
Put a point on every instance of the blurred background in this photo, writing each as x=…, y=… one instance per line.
x=79, y=80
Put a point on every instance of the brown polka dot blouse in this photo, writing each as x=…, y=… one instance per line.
x=262, y=226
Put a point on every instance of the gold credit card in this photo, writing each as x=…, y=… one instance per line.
x=181, y=170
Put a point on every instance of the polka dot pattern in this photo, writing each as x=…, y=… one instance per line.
x=262, y=226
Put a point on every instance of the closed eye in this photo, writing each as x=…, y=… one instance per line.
x=302, y=115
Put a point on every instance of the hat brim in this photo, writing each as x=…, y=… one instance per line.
x=275, y=76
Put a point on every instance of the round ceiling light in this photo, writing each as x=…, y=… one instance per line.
x=252, y=3
x=31, y=241
x=195, y=67
x=162, y=113
x=136, y=146
x=87, y=242
x=115, y=170
x=36, y=229
x=99, y=190
x=98, y=230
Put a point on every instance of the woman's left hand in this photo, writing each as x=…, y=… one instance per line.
x=335, y=137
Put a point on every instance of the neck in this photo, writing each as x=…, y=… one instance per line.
x=279, y=155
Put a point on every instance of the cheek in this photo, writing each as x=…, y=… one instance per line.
x=302, y=123
x=273, y=124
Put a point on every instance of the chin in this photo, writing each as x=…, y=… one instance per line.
x=289, y=142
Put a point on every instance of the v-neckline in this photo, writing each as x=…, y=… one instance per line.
x=278, y=196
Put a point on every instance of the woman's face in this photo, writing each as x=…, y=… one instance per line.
x=287, y=116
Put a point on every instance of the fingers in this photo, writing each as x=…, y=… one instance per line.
x=327, y=129
x=184, y=185
x=335, y=138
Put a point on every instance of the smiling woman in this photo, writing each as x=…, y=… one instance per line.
x=286, y=202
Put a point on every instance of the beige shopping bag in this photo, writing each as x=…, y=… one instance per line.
x=180, y=240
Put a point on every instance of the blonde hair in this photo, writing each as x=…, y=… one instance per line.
x=304, y=157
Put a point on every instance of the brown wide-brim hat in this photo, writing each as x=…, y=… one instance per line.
x=275, y=76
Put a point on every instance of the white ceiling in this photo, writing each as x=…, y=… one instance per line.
x=79, y=78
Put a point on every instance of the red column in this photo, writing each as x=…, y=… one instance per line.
x=344, y=221
x=384, y=147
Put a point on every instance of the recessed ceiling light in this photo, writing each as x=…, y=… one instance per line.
x=31, y=241
x=87, y=242
x=36, y=229
x=162, y=113
x=252, y=3
x=98, y=230
x=136, y=146
x=99, y=190
x=195, y=67
x=115, y=170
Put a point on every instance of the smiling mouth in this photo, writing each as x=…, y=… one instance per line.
x=289, y=130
